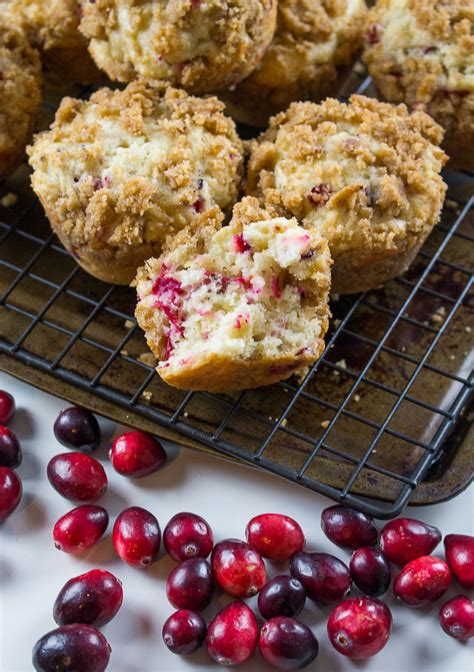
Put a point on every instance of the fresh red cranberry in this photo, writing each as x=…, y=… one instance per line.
x=187, y=535
x=232, y=635
x=370, y=571
x=80, y=529
x=287, y=644
x=184, y=632
x=347, y=527
x=136, y=454
x=325, y=578
x=10, y=449
x=422, y=581
x=78, y=429
x=77, y=477
x=457, y=617
x=137, y=536
x=238, y=568
x=72, y=647
x=459, y=550
x=10, y=492
x=191, y=585
x=359, y=627
x=405, y=539
x=92, y=598
x=7, y=407
x=275, y=536
x=282, y=596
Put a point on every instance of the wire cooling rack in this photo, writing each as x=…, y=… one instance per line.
x=364, y=426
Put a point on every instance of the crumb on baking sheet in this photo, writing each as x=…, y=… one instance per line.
x=147, y=358
x=341, y=363
x=452, y=205
x=284, y=422
x=9, y=200
x=325, y=424
x=147, y=395
x=129, y=324
x=359, y=68
x=124, y=353
x=356, y=398
x=468, y=330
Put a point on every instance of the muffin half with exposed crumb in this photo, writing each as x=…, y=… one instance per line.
x=53, y=27
x=365, y=175
x=422, y=54
x=236, y=307
x=118, y=173
x=202, y=45
x=315, y=41
x=20, y=96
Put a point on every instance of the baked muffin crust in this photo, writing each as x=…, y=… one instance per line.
x=119, y=172
x=20, y=96
x=53, y=27
x=314, y=42
x=422, y=54
x=236, y=307
x=364, y=174
x=202, y=45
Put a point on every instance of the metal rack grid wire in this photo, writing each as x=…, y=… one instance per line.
x=68, y=326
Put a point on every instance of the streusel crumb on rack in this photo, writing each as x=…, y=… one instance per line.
x=365, y=174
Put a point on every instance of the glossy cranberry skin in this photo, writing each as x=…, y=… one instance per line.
x=287, y=644
x=282, y=596
x=78, y=429
x=275, y=536
x=422, y=581
x=238, y=568
x=347, y=527
x=80, y=529
x=10, y=449
x=459, y=550
x=92, y=598
x=191, y=585
x=136, y=536
x=7, y=407
x=232, y=635
x=370, y=571
x=359, y=627
x=184, y=632
x=405, y=539
x=77, y=648
x=326, y=578
x=11, y=490
x=136, y=454
x=187, y=535
x=457, y=617
x=77, y=477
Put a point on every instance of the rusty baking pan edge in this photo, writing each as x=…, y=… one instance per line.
x=451, y=474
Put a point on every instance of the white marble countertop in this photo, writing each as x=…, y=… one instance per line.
x=227, y=495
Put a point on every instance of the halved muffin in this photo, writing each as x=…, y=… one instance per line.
x=236, y=307
x=364, y=174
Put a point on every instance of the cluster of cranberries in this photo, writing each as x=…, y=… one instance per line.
x=358, y=627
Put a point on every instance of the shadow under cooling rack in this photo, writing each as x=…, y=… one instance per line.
x=386, y=402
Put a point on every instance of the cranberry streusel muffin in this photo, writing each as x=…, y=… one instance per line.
x=53, y=27
x=202, y=45
x=422, y=54
x=236, y=307
x=119, y=172
x=314, y=42
x=365, y=175
x=20, y=96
